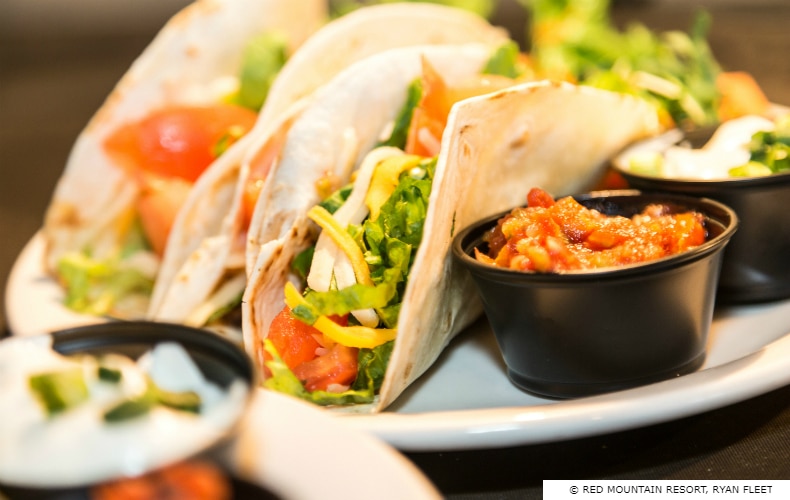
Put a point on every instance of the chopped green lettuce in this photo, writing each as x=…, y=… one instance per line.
x=93, y=286
x=340, y=302
x=60, y=390
x=769, y=152
x=302, y=261
x=389, y=244
x=372, y=367
x=505, y=61
x=400, y=129
x=283, y=380
x=674, y=70
x=263, y=58
x=225, y=310
x=336, y=199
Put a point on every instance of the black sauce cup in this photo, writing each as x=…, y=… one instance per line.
x=574, y=334
x=756, y=267
x=219, y=360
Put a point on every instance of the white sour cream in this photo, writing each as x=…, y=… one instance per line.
x=726, y=149
x=76, y=447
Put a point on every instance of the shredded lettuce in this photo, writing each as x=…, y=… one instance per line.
x=226, y=310
x=302, y=261
x=372, y=365
x=94, y=286
x=340, y=302
x=336, y=199
x=400, y=129
x=390, y=244
x=263, y=58
x=506, y=61
x=676, y=71
x=769, y=152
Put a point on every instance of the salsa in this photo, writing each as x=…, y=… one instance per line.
x=563, y=235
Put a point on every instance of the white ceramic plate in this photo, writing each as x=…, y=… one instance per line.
x=465, y=400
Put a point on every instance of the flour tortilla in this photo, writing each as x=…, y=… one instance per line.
x=200, y=254
x=343, y=123
x=495, y=147
x=551, y=135
x=198, y=48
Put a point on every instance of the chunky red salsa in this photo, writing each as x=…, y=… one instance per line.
x=563, y=235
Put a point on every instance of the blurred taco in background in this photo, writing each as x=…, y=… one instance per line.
x=675, y=71
x=192, y=94
x=352, y=295
x=203, y=270
x=206, y=91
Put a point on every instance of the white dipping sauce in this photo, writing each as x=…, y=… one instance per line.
x=726, y=149
x=77, y=447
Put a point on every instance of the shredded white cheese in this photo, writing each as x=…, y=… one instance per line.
x=328, y=259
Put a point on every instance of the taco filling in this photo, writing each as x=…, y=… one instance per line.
x=164, y=153
x=331, y=342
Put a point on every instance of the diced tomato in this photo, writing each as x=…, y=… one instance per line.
x=298, y=343
x=158, y=204
x=177, y=141
x=337, y=366
x=294, y=340
x=193, y=480
x=539, y=198
x=430, y=115
x=610, y=179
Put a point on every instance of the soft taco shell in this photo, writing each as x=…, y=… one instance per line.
x=342, y=124
x=556, y=136
x=199, y=247
x=495, y=148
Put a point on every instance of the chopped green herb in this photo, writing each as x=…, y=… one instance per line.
x=185, y=401
x=108, y=374
x=126, y=410
x=59, y=391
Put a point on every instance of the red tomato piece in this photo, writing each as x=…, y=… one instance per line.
x=294, y=340
x=430, y=115
x=194, y=480
x=539, y=198
x=337, y=366
x=158, y=204
x=177, y=141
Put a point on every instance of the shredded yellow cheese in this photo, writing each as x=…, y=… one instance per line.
x=385, y=180
x=354, y=336
x=292, y=296
x=351, y=336
x=340, y=236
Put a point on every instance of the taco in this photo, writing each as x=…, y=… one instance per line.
x=202, y=276
x=171, y=233
x=189, y=97
x=352, y=296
